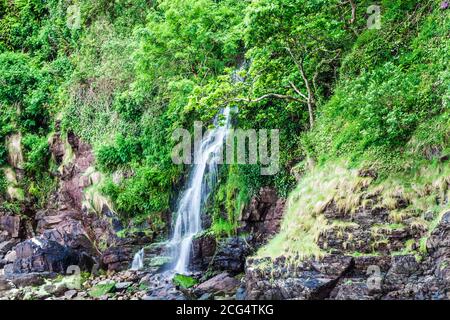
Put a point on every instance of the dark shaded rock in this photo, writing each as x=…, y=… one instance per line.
x=368, y=173
x=6, y=246
x=306, y=280
x=117, y=258
x=5, y=284
x=10, y=224
x=30, y=279
x=220, y=284
x=351, y=289
x=231, y=254
x=66, y=228
x=262, y=218
x=203, y=250
x=206, y=296
x=41, y=255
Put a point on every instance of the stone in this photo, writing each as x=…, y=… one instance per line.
x=30, y=279
x=240, y=294
x=203, y=250
x=5, y=284
x=262, y=217
x=206, y=296
x=222, y=283
x=123, y=285
x=10, y=224
x=117, y=258
x=42, y=255
x=70, y=294
x=231, y=254
x=15, y=155
x=58, y=289
x=10, y=257
x=308, y=280
x=6, y=246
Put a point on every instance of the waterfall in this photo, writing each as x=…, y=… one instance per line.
x=201, y=181
x=138, y=261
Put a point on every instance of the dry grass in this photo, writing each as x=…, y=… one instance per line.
x=407, y=198
x=304, y=221
x=14, y=146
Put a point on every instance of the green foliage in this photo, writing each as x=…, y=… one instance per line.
x=102, y=289
x=394, y=96
x=145, y=195
x=183, y=281
x=124, y=151
x=3, y=182
x=136, y=70
x=37, y=154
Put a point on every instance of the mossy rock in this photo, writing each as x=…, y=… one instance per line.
x=183, y=281
x=158, y=262
x=102, y=289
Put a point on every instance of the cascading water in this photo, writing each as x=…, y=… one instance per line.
x=138, y=261
x=201, y=181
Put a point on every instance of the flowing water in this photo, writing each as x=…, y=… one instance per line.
x=138, y=261
x=201, y=181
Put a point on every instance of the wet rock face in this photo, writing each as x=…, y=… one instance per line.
x=225, y=255
x=231, y=254
x=42, y=255
x=203, y=250
x=66, y=228
x=262, y=218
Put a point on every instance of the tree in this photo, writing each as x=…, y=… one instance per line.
x=293, y=48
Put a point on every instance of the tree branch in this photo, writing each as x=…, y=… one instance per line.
x=267, y=96
x=353, y=4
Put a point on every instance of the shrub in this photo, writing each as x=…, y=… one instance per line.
x=124, y=151
x=37, y=154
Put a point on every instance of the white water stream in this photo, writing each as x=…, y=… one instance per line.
x=201, y=181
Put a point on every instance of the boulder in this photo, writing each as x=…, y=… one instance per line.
x=6, y=246
x=10, y=224
x=231, y=254
x=117, y=258
x=5, y=284
x=70, y=294
x=305, y=280
x=43, y=255
x=10, y=257
x=222, y=283
x=203, y=249
x=30, y=279
x=121, y=286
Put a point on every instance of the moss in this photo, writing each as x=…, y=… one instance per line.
x=102, y=289
x=183, y=281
